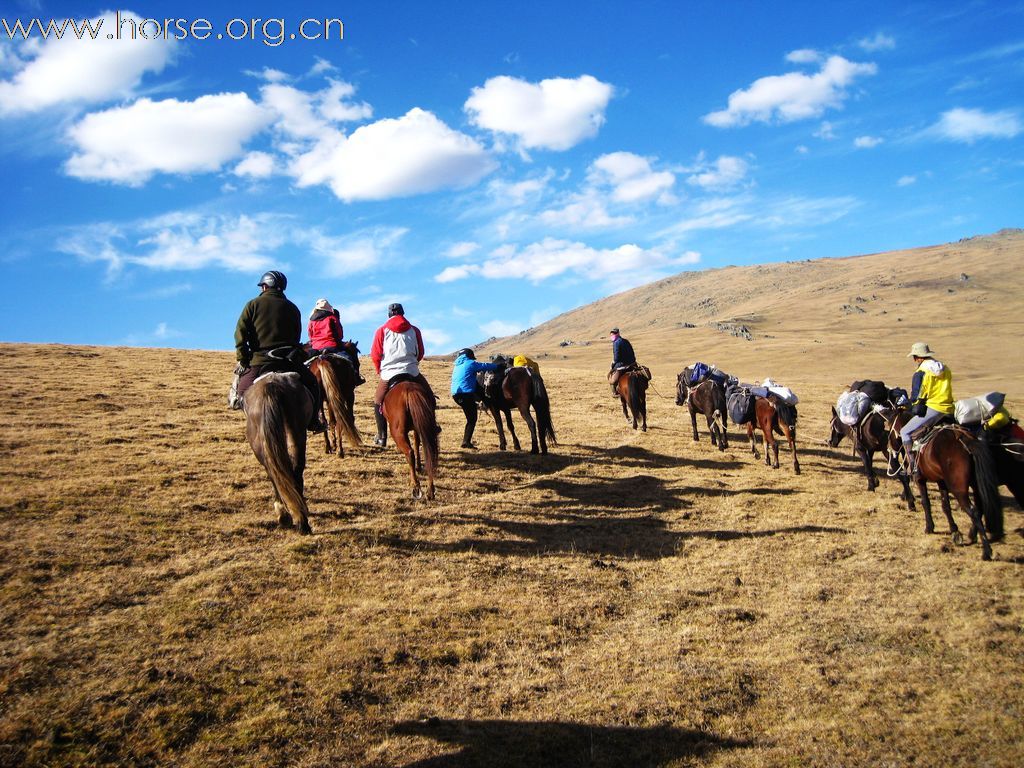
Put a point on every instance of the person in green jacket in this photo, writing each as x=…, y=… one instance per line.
x=267, y=339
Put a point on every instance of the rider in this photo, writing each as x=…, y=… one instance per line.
x=466, y=390
x=931, y=397
x=623, y=358
x=326, y=334
x=397, y=350
x=267, y=339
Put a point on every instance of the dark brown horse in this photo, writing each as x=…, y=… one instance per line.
x=1007, y=453
x=524, y=390
x=495, y=402
x=337, y=379
x=959, y=463
x=408, y=406
x=708, y=398
x=277, y=409
x=773, y=416
x=869, y=437
x=632, y=389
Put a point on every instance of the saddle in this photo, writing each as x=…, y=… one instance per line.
x=924, y=435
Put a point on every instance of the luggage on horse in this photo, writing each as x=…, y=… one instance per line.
x=876, y=390
x=740, y=404
x=899, y=397
x=785, y=394
x=698, y=372
x=974, y=410
x=853, y=406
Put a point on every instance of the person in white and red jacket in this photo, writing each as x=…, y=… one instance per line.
x=397, y=350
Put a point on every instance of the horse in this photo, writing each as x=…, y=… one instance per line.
x=958, y=462
x=773, y=416
x=632, y=390
x=409, y=406
x=494, y=401
x=1008, y=456
x=523, y=389
x=868, y=437
x=708, y=398
x=337, y=379
x=277, y=409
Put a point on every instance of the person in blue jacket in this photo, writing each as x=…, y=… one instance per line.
x=623, y=358
x=466, y=390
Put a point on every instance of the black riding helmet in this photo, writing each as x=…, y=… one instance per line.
x=466, y=351
x=273, y=279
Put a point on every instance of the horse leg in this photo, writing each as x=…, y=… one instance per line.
x=948, y=512
x=693, y=421
x=753, y=440
x=977, y=526
x=865, y=457
x=543, y=440
x=625, y=413
x=419, y=457
x=502, y=445
x=512, y=429
x=524, y=411
x=926, y=504
x=401, y=438
x=775, y=453
x=791, y=438
x=299, y=462
x=643, y=412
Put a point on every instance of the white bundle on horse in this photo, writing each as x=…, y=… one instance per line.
x=974, y=410
x=852, y=406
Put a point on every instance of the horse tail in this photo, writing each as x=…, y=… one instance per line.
x=272, y=436
x=634, y=393
x=423, y=421
x=987, y=489
x=543, y=408
x=337, y=403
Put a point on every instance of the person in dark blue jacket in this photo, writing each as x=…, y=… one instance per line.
x=623, y=358
x=466, y=390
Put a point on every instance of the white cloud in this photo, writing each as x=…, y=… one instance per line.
x=801, y=149
x=350, y=253
x=969, y=125
x=322, y=65
x=335, y=104
x=553, y=114
x=129, y=144
x=631, y=178
x=517, y=193
x=269, y=74
x=411, y=155
x=725, y=172
x=771, y=213
x=500, y=328
x=866, y=142
x=585, y=211
x=164, y=331
x=371, y=309
x=793, y=96
x=544, y=314
x=73, y=71
x=880, y=42
x=539, y=261
x=462, y=250
x=804, y=56
x=435, y=340
x=906, y=181
x=826, y=131
x=255, y=165
x=451, y=274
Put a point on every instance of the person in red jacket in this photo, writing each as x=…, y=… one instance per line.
x=326, y=334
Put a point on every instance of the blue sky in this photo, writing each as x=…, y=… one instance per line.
x=490, y=164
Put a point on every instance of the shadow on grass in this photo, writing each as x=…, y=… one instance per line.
x=504, y=744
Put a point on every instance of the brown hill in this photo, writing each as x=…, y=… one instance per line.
x=828, y=319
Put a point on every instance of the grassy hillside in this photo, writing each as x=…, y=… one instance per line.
x=817, y=321
x=630, y=599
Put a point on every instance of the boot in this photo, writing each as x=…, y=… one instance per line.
x=381, y=440
x=317, y=424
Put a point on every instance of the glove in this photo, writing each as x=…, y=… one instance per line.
x=920, y=409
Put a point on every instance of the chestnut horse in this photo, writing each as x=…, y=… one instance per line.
x=337, y=379
x=632, y=391
x=708, y=398
x=772, y=416
x=524, y=389
x=959, y=463
x=869, y=437
x=408, y=406
x=277, y=409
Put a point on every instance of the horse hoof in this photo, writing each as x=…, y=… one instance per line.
x=305, y=530
x=417, y=493
x=986, y=553
x=285, y=521
x=958, y=538
x=643, y=429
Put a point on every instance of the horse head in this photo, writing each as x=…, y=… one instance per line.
x=837, y=433
x=681, y=388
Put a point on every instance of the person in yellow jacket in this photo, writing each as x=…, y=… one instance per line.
x=931, y=397
x=525, y=362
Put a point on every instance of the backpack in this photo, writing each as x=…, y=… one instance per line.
x=698, y=372
x=974, y=410
x=876, y=390
x=852, y=406
x=740, y=405
x=899, y=397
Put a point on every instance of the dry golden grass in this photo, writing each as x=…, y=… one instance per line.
x=630, y=599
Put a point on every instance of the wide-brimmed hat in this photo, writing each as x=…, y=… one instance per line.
x=323, y=304
x=920, y=349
